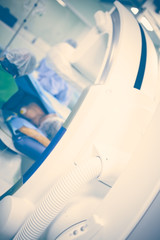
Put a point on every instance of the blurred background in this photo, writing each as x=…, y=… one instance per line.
x=41, y=24
x=63, y=36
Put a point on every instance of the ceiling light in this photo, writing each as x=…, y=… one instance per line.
x=134, y=10
x=61, y=2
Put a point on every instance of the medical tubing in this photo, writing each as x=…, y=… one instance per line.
x=58, y=196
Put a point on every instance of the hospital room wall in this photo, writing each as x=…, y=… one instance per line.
x=87, y=8
x=55, y=25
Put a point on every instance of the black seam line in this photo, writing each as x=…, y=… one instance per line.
x=142, y=65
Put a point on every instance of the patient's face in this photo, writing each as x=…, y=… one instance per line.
x=33, y=113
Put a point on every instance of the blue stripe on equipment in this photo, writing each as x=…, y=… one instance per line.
x=46, y=152
x=13, y=189
x=141, y=70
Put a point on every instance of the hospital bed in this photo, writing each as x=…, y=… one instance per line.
x=99, y=178
x=19, y=151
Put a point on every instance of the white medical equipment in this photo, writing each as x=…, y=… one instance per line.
x=102, y=179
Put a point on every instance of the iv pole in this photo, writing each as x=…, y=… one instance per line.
x=21, y=25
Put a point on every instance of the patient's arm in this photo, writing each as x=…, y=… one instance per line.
x=35, y=135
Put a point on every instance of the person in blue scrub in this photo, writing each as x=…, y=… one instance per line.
x=49, y=78
x=53, y=83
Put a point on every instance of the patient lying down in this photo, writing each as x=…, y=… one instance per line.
x=48, y=124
